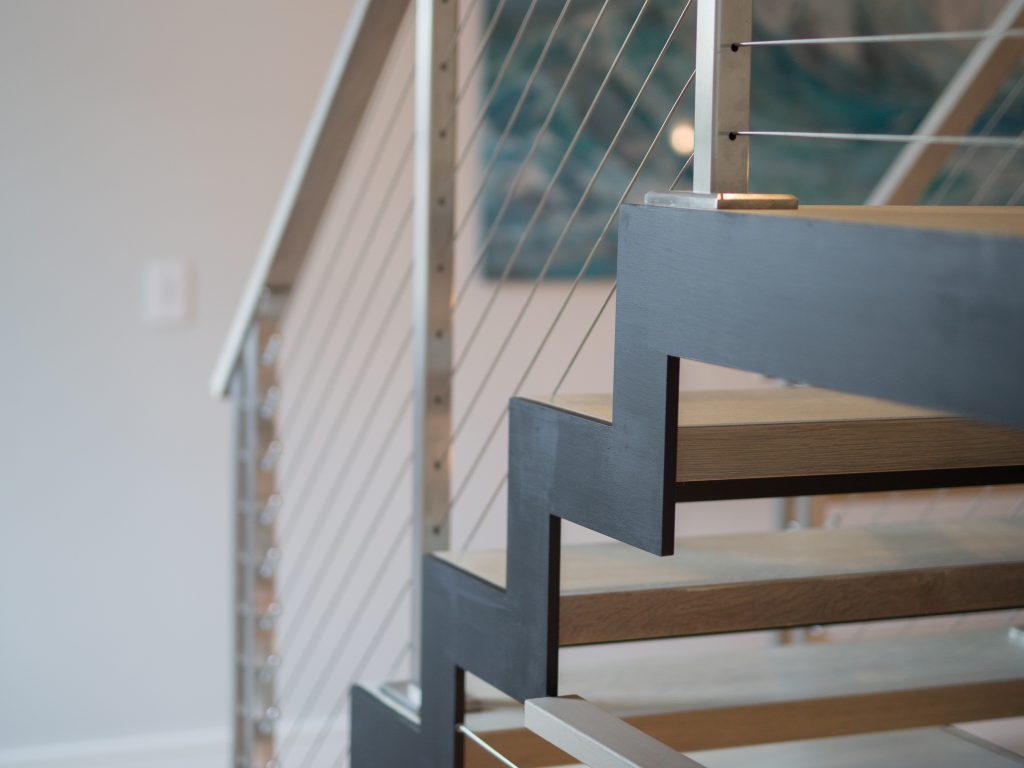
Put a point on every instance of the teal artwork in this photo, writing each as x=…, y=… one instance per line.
x=563, y=141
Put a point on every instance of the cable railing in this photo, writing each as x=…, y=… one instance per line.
x=452, y=247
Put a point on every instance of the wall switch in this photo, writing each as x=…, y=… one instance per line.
x=165, y=294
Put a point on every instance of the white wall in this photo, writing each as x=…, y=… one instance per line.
x=130, y=130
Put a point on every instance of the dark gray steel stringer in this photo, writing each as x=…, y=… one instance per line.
x=925, y=318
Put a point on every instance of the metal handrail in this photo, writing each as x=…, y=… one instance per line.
x=351, y=81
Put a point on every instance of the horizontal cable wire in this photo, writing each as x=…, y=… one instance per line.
x=463, y=420
x=893, y=138
x=575, y=285
x=333, y=325
x=339, y=707
x=348, y=517
x=373, y=349
x=966, y=157
x=907, y=37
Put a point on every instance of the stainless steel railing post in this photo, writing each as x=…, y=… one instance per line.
x=255, y=394
x=434, y=231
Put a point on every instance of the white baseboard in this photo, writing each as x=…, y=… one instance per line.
x=194, y=749
x=203, y=748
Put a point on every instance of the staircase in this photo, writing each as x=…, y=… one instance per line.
x=784, y=294
x=900, y=330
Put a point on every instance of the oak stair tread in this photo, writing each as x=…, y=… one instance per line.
x=917, y=748
x=947, y=747
x=988, y=220
x=806, y=431
x=613, y=592
x=782, y=693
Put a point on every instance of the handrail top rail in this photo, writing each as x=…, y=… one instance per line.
x=352, y=77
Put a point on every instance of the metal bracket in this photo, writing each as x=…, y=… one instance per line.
x=721, y=201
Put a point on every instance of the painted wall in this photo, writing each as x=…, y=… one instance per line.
x=130, y=131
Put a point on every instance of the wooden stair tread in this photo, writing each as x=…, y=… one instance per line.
x=989, y=220
x=917, y=748
x=613, y=592
x=805, y=431
x=709, y=701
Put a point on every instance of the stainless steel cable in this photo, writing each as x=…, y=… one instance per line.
x=966, y=157
x=996, y=172
x=603, y=308
x=682, y=172
x=893, y=138
x=305, y=437
x=366, y=364
x=542, y=204
x=572, y=290
x=499, y=78
x=405, y=651
x=461, y=728
x=908, y=37
x=346, y=520
x=356, y=445
x=484, y=513
x=305, y=655
x=584, y=197
x=1016, y=196
x=351, y=333
x=342, y=702
x=584, y=340
x=541, y=132
x=485, y=41
x=301, y=330
x=359, y=440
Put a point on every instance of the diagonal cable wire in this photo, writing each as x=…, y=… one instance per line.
x=372, y=350
x=603, y=308
x=499, y=147
x=305, y=655
x=481, y=49
x=333, y=323
x=499, y=78
x=403, y=652
x=966, y=157
x=483, y=515
x=572, y=290
x=301, y=330
x=357, y=442
x=546, y=195
x=348, y=517
x=996, y=172
x=339, y=707
x=584, y=197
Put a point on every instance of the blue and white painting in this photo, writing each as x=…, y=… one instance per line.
x=529, y=127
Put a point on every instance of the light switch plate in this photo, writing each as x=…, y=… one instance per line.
x=166, y=293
